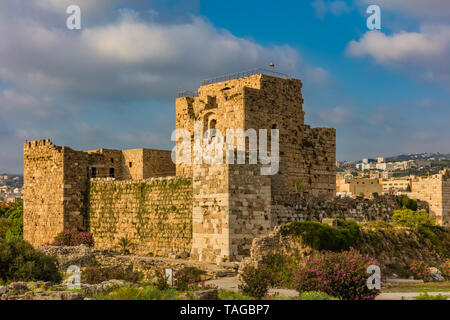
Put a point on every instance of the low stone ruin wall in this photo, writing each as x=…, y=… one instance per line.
x=316, y=208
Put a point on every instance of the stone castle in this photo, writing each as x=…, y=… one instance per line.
x=210, y=212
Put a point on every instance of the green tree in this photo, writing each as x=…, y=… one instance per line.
x=413, y=219
x=15, y=217
x=408, y=203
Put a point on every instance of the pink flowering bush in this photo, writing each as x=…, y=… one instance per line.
x=73, y=238
x=96, y=274
x=342, y=275
x=420, y=270
x=255, y=281
x=188, y=278
x=445, y=269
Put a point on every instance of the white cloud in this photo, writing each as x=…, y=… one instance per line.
x=71, y=85
x=423, y=54
x=128, y=58
x=317, y=75
x=400, y=46
x=338, y=116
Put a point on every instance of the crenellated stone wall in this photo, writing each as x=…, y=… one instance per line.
x=43, y=198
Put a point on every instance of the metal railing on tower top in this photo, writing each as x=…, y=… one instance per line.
x=231, y=76
x=244, y=74
x=186, y=93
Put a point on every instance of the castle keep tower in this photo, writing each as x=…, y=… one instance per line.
x=234, y=203
x=267, y=102
x=211, y=212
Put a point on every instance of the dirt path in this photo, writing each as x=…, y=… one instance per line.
x=231, y=284
x=407, y=295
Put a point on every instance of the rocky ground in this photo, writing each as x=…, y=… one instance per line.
x=83, y=256
x=224, y=276
x=46, y=291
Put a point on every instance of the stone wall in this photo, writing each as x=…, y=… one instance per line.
x=316, y=208
x=231, y=207
x=250, y=205
x=146, y=163
x=154, y=214
x=307, y=155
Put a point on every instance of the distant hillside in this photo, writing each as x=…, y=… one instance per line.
x=418, y=156
x=11, y=180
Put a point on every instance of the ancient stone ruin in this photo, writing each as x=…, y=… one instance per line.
x=210, y=212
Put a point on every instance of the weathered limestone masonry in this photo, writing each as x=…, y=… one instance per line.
x=154, y=214
x=317, y=208
x=231, y=207
x=142, y=195
x=436, y=191
x=265, y=102
x=44, y=191
x=57, y=181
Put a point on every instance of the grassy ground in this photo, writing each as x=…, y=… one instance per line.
x=417, y=287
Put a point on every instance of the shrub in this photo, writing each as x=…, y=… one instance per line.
x=5, y=225
x=255, y=281
x=161, y=280
x=3, y=209
x=315, y=295
x=445, y=269
x=420, y=270
x=124, y=245
x=231, y=295
x=187, y=277
x=134, y=293
x=408, y=203
x=412, y=219
x=94, y=274
x=324, y=237
x=426, y=296
x=11, y=225
x=73, y=238
x=19, y=261
x=343, y=275
x=281, y=268
x=438, y=236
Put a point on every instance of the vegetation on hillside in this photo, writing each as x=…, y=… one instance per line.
x=324, y=237
x=19, y=261
x=11, y=221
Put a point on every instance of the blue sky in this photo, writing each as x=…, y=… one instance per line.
x=113, y=83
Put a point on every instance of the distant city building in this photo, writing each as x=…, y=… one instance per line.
x=357, y=187
x=395, y=185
